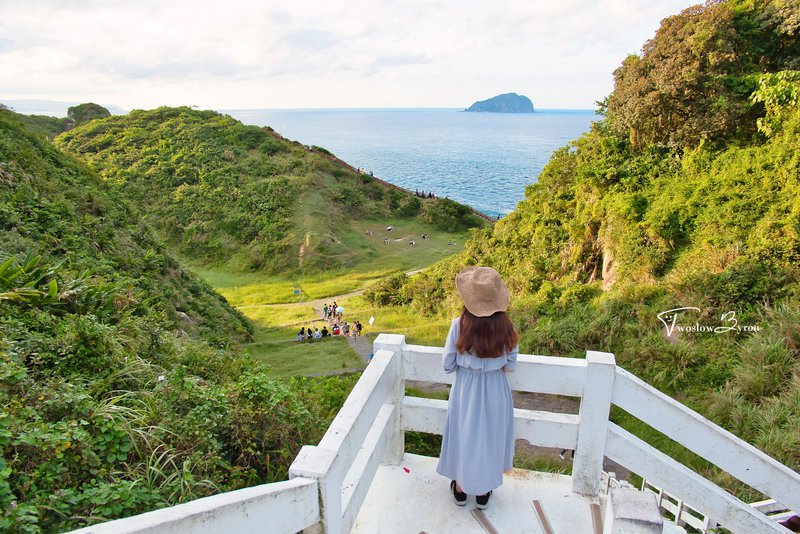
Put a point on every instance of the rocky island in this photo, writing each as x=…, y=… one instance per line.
x=506, y=103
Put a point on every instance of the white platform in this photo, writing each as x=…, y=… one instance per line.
x=420, y=501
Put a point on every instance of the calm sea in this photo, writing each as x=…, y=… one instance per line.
x=481, y=159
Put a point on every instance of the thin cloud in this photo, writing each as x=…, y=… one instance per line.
x=320, y=53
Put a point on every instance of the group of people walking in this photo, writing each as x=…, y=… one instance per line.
x=333, y=315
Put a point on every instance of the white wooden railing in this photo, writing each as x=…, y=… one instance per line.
x=329, y=481
x=684, y=514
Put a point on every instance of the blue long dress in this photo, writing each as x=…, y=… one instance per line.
x=478, y=442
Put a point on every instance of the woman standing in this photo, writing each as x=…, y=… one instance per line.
x=481, y=347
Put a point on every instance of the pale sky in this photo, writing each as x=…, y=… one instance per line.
x=231, y=54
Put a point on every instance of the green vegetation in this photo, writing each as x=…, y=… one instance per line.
x=52, y=126
x=127, y=383
x=83, y=113
x=684, y=194
x=270, y=303
x=244, y=289
x=404, y=320
x=242, y=198
x=49, y=126
x=693, y=81
x=121, y=382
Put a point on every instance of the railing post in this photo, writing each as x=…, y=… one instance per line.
x=316, y=463
x=587, y=466
x=394, y=343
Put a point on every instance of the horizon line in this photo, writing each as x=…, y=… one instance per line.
x=390, y=108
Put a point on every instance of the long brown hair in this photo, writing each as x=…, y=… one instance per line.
x=486, y=337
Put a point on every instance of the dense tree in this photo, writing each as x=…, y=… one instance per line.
x=693, y=80
x=86, y=112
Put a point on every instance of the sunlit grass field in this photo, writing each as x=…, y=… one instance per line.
x=419, y=330
x=279, y=306
x=246, y=289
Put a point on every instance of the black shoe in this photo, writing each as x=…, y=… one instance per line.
x=461, y=498
x=482, y=501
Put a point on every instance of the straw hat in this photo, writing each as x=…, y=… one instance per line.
x=482, y=290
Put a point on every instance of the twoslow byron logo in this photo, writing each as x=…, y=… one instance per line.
x=678, y=320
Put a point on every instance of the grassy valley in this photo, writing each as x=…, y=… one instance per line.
x=259, y=217
x=278, y=313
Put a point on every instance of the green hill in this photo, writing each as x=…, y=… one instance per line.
x=52, y=126
x=56, y=209
x=121, y=386
x=220, y=192
x=684, y=195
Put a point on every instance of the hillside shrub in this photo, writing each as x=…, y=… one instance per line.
x=448, y=216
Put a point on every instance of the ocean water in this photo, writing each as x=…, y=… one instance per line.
x=484, y=160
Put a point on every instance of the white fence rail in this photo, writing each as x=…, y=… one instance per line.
x=365, y=432
x=684, y=513
x=330, y=481
x=287, y=507
x=599, y=383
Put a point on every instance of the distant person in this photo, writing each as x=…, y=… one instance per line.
x=317, y=333
x=411, y=243
x=336, y=330
x=339, y=312
x=424, y=236
x=390, y=228
x=325, y=311
x=347, y=329
x=301, y=335
x=358, y=328
x=481, y=347
x=325, y=332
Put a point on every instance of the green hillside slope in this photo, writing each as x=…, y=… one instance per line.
x=56, y=209
x=52, y=126
x=647, y=213
x=218, y=191
x=121, y=389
